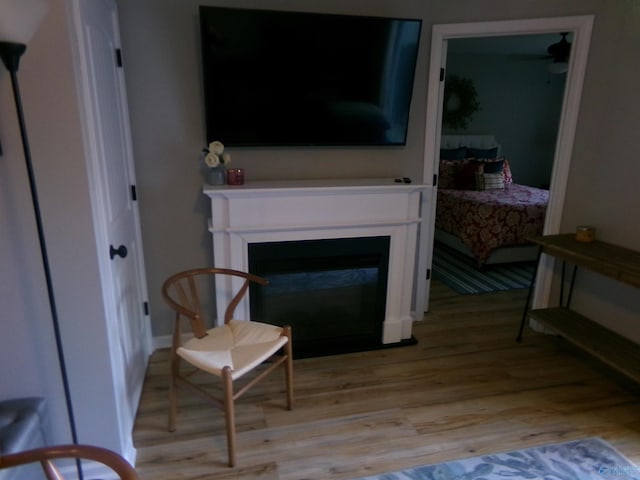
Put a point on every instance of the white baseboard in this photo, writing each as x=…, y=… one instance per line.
x=162, y=341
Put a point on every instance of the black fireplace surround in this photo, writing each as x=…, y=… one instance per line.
x=332, y=292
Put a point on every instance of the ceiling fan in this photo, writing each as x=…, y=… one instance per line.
x=560, y=51
x=557, y=52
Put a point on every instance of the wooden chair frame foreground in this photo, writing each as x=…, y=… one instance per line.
x=181, y=293
x=46, y=455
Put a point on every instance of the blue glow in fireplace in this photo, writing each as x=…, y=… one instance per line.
x=332, y=291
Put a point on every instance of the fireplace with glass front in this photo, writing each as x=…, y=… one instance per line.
x=332, y=292
x=340, y=257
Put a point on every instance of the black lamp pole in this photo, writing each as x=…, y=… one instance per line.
x=10, y=52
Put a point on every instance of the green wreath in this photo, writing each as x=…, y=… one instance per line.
x=460, y=102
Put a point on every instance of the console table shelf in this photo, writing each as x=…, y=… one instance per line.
x=609, y=347
x=615, y=262
x=609, y=260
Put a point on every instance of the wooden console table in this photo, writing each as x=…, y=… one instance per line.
x=612, y=261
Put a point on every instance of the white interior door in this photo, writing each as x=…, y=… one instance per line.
x=432, y=135
x=113, y=200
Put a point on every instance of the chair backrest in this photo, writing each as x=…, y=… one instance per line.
x=46, y=455
x=184, y=291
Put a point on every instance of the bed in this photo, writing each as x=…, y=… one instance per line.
x=480, y=210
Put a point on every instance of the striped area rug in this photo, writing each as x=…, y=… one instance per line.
x=461, y=273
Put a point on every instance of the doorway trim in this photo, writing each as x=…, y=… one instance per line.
x=581, y=27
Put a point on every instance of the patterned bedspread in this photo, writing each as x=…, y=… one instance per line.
x=486, y=220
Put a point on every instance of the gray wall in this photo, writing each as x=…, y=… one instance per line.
x=520, y=103
x=162, y=68
x=160, y=39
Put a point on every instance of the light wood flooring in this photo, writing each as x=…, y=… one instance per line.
x=467, y=388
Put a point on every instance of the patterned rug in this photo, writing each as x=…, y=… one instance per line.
x=587, y=459
x=461, y=273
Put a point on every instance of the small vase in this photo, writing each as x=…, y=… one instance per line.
x=216, y=176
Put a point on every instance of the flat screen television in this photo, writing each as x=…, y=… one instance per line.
x=277, y=78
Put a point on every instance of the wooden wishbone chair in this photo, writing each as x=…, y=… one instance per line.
x=46, y=455
x=228, y=351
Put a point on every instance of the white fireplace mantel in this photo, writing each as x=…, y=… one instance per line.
x=281, y=211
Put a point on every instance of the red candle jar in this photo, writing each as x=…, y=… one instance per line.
x=235, y=176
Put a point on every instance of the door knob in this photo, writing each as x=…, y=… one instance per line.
x=121, y=251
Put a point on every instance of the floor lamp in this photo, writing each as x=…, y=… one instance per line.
x=19, y=20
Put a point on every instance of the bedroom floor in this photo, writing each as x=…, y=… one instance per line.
x=465, y=389
x=461, y=273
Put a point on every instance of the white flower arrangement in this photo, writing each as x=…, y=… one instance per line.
x=214, y=155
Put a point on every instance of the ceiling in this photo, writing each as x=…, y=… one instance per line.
x=505, y=45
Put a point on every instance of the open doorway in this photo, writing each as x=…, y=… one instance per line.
x=580, y=29
x=502, y=106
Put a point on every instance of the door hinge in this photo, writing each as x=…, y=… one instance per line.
x=435, y=179
x=134, y=194
x=119, y=57
x=428, y=273
x=145, y=308
x=442, y=74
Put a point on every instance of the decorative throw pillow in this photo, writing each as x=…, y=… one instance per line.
x=447, y=173
x=496, y=165
x=482, y=152
x=490, y=181
x=465, y=178
x=492, y=166
x=506, y=170
x=453, y=153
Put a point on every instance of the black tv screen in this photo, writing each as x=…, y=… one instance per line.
x=275, y=78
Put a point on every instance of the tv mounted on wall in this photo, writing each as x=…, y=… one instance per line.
x=276, y=78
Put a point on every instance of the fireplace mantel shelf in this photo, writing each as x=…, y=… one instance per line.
x=293, y=210
x=354, y=185
x=297, y=226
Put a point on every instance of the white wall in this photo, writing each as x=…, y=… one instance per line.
x=605, y=172
x=28, y=357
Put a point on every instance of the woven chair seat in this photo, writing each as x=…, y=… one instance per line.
x=241, y=345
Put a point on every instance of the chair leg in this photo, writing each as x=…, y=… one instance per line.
x=289, y=368
x=172, y=405
x=229, y=414
x=174, y=371
x=173, y=397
